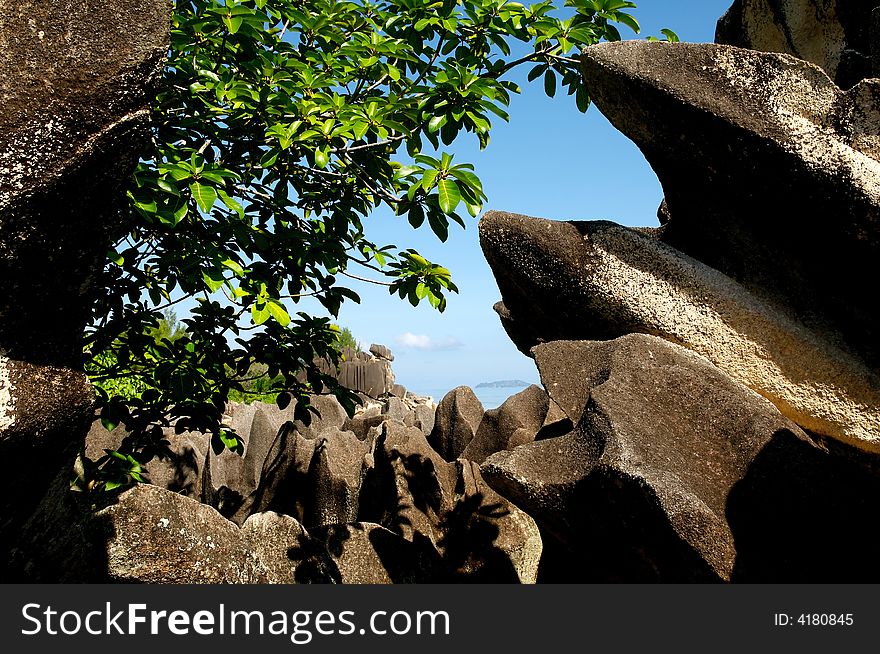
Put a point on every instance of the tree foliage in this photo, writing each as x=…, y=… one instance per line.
x=280, y=126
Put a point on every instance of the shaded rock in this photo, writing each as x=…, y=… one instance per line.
x=478, y=534
x=640, y=489
x=331, y=414
x=283, y=486
x=455, y=423
x=381, y=352
x=779, y=186
x=516, y=422
x=233, y=478
x=75, y=86
x=486, y=537
x=403, y=489
x=833, y=35
x=557, y=423
x=156, y=536
x=334, y=479
x=800, y=515
x=178, y=467
x=272, y=537
x=597, y=280
x=76, y=81
x=315, y=480
x=229, y=477
x=364, y=553
x=55, y=544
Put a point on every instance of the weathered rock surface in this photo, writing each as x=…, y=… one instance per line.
x=76, y=80
x=597, y=280
x=422, y=417
x=317, y=481
x=835, y=35
x=363, y=372
x=381, y=352
x=651, y=484
x=516, y=422
x=156, y=536
x=272, y=537
x=770, y=171
x=456, y=421
x=364, y=553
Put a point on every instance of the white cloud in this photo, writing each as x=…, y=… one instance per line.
x=424, y=342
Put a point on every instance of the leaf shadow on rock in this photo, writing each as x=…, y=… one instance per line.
x=282, y=486
x=184, y=472
x=470, y=531
x=418, y=564
x=378, y=500
x=315, y=555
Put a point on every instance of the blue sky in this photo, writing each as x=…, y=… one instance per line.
x=549, y=161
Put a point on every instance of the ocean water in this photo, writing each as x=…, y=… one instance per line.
x=490, y=398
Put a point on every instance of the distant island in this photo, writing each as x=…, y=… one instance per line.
x=505, y=383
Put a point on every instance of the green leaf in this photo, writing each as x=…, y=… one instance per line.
x=550, y=83
x=278, y=312
x=428, y=179
x=234, y=266
x=233, y=23
x=213, y=280
x=629, y=21
x=448, y=195
x=582, y=99
x=536, y=72
x=231, y=441
x=436, y=123
x=230, y=203
x=260, y=313
x=205, y=196
x=671, y=36
x=468, y=178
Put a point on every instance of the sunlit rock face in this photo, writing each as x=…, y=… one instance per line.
x=598, y=280
x=837, y=35
x=769, y=170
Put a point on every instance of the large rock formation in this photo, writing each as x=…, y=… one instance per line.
x=836, y=35
x=666, y=477
x=597, y=280
x=779, y=184
x=315, y=503
x=76, y=80
x=364, y=372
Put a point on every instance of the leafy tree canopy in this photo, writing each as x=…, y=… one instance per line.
x=280, y=126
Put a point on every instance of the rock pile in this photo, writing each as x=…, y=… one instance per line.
x=721, y=372
x=344, y=499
